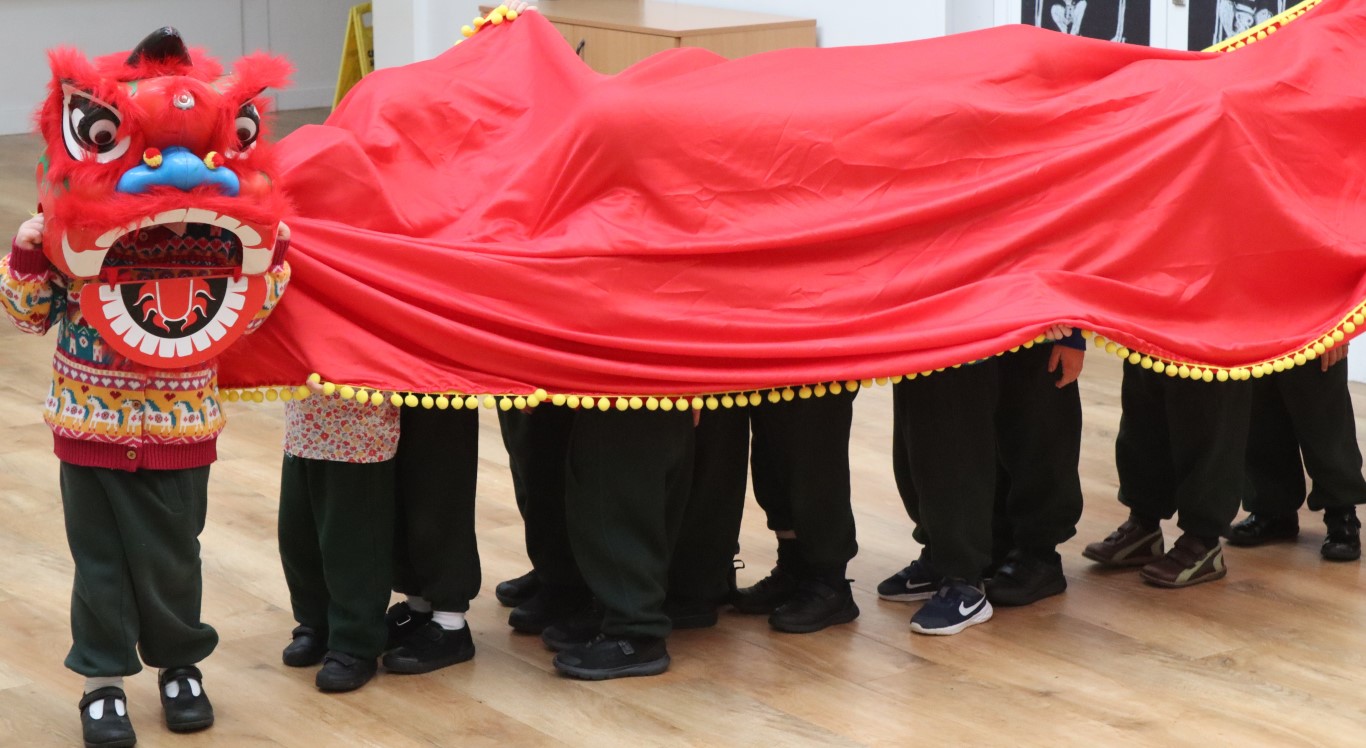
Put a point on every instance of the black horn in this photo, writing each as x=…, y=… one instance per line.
x=163, y=45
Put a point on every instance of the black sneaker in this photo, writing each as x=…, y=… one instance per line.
x=307, y=649
x=516, y=591
x=769, y=593
x=104, y=719
x=1258, y=529
x=550, y=604
x=575, y=630
x=687, y=614
x=606, y=657
x=817, y=604
x=915, y=582
x=956, y=606
x=183, y=700
x=342, y=672
x=430, y=648
x=1025, y=578
x=402, y=620
x=1343, y=542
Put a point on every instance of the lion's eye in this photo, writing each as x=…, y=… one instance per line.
x=90, y=128
x=247, y=125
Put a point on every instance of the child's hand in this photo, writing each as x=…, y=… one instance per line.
x=520, y=6
x=1057, y=332
x=282, y=233
x=30, y=233
x=1332, y=356
x=1071, y=361
x=314, y=387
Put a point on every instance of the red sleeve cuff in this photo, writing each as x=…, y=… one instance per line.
x=281, y=247
x=28, y=261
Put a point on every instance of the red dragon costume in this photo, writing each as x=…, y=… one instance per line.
x=503, y=220
x=161, y=138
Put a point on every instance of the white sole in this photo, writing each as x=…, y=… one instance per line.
x=981, y=616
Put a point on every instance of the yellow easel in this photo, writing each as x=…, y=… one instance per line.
x=358, y=51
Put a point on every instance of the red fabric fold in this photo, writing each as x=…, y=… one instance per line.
x=502, y=218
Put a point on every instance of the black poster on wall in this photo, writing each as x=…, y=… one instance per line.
x=1112, y=20
x=1212, y=21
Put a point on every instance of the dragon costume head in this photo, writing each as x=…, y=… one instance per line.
x=157, y=187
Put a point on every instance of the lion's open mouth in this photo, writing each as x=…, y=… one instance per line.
x=174, y=291
x=88, y=254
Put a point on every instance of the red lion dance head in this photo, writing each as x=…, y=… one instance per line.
x=156, y=185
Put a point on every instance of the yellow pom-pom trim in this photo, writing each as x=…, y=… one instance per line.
x=346, y=392
x=727, y=401
x=587, y=402
x=520, y=402
x=428, y=402
x=396, y=400
x=442, y=402
x=504, y=403
x=315, y=377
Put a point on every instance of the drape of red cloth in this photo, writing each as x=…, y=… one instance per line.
x=502, y=218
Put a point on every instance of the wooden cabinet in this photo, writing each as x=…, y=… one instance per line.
x=611, y=35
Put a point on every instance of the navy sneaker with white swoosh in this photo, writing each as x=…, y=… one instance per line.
x=956, y=606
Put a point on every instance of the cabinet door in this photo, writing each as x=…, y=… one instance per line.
x=611, y=51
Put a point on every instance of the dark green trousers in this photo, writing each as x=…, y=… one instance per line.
x=702, y=569
x=1036, y=431
x=1182, y=448
x=800, y=462
x=1302, y=420
x=134, y=538
x=336, y=535
x=436, y=555
x=537, y=444
x=944, y=429
x=627, y=480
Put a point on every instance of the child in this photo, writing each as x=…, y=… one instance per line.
x=134, y=494
x=336, y=534
x=1306, y=410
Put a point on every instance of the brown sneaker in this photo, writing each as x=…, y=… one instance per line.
x=1132, y=544
x=1189, y=562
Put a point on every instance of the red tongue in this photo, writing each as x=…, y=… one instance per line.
x=174, y=299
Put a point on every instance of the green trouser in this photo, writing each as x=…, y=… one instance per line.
x=800, y=462
x=702, y=568
x=537, y=443
x=336, y=535
x=626, y=484
x=1182, y=448
x=1302, y=411
x=1037, y=431
x=945, y=433
x=436, y=555
x=134, y=538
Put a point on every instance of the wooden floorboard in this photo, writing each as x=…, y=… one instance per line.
x=1273, y=655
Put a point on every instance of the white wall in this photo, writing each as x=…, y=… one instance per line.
x=309, y=32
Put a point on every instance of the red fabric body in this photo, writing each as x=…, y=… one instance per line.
x=503, y=218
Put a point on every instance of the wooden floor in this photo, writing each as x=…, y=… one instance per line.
x=1273, y=655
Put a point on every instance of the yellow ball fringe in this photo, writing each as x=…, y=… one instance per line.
x=712, y=401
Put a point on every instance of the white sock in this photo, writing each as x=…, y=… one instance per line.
x=419, y=604
x=172, y=688
x=448, y=620
x=95, y=684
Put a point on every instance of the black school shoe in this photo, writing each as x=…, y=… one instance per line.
x=402, y=620
x=307, y=649
x=430, y=648
x=514, y=592
x=551, y=604
x=342, y=672
x=607, y=657
x=1343, y=542
x=104, y=719
x=1259, y=529
x=183, y=700
x=817, y=604
x=575, y=630
x=691, y=614
x=1026, y=578
x=768, y=594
